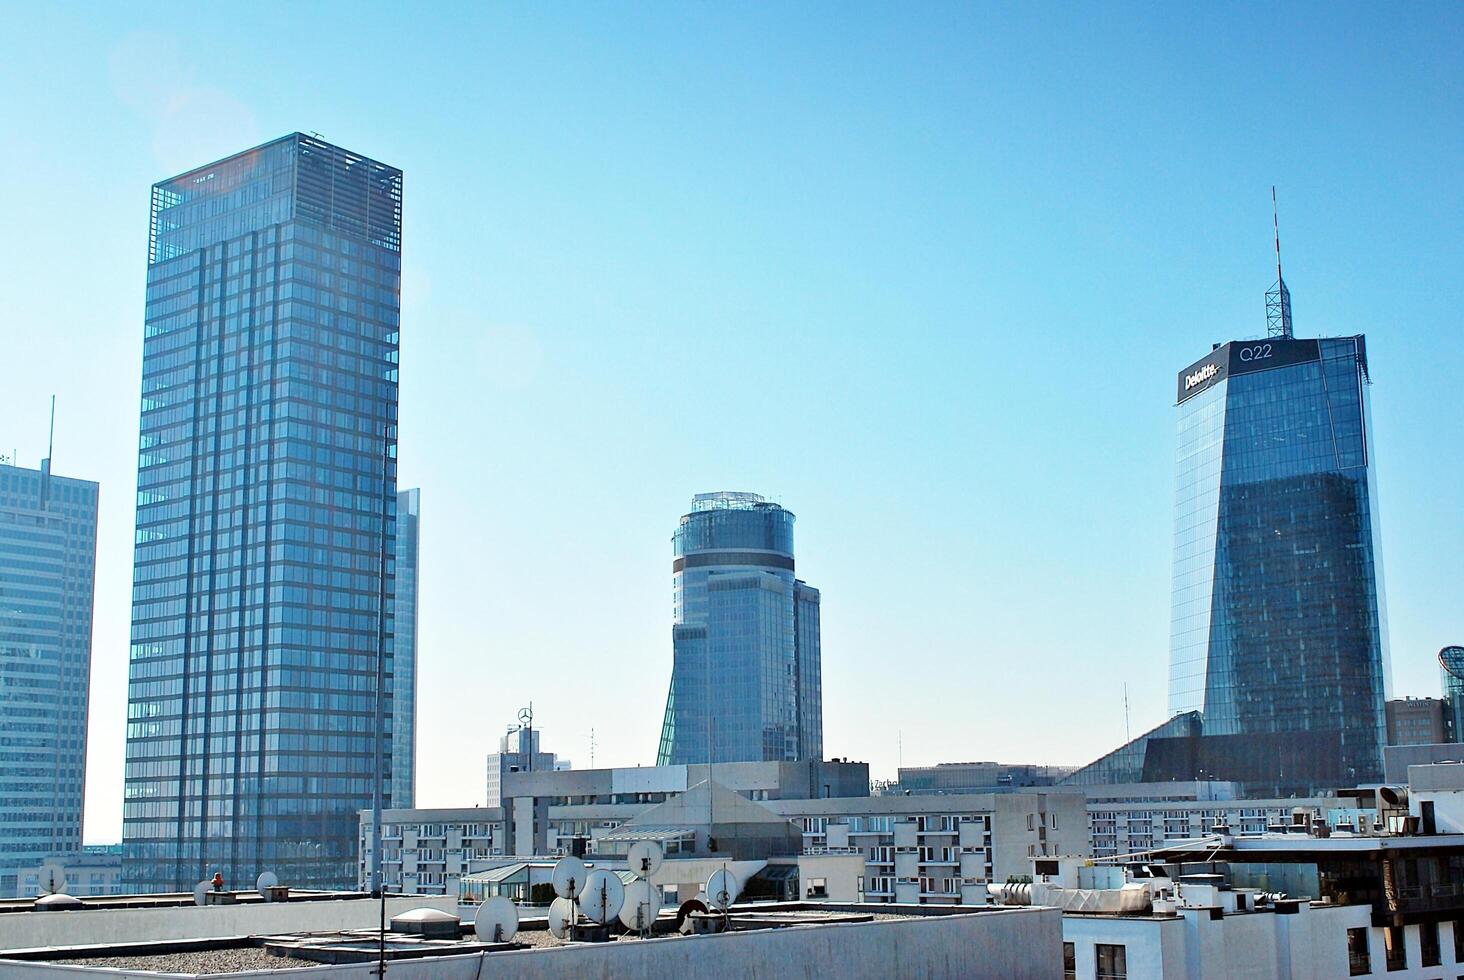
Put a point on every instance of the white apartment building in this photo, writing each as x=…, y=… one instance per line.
x=1135, y=817
x=941, y=850
x=919, y=849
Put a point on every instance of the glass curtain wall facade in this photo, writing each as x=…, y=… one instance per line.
x=1278, y=627
x=1451, y=666
x=265, y=518
x=404, y=650
x=48, y=549
x=746, y=681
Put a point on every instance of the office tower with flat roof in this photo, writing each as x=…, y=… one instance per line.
x=48, y=557
x=1279, y=636
x=746, y=680
x=404, y=649
x=264, y=557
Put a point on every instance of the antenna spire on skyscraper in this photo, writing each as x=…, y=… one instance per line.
x=1278, y=297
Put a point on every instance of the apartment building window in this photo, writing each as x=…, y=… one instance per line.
x=1394, y=949
x=1459, y=940
x=1428, y=943
x=1112, y=962
x=1359, y=963
x=1069, y=962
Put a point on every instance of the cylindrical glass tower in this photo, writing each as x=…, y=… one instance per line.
x=746, y=683
x=1451, y=660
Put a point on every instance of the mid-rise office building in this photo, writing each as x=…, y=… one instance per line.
x=48, y=550
x=1418, y=721
x=404, y=649
x=92, y=871
x=518, y=751
x=263, y=581
x=746, y=679
x=975, y=777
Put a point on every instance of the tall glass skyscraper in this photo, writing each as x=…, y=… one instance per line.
x=1279, y=635
x=48, y=557
x=265, y=517
x=746, y=679
x=404, y=646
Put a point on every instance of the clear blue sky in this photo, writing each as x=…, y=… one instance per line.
x=923, y=273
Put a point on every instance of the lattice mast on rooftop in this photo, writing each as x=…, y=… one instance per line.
x=1278, y=297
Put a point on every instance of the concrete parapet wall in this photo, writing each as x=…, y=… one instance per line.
x=1012, y=944
x=92, y=927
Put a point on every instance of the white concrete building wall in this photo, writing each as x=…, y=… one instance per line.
x=1308, y=945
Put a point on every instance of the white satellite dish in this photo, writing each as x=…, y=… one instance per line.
x=200, y=892
x=53, y=879
x=496, y=920
x=266, y=881
x=603, y=896
x=561, y=916
x=641, y=906
x=569, y=877
x=722, y=890
x=644, y=858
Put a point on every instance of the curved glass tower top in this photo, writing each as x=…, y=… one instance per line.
x=746, y=682
x=727, y=532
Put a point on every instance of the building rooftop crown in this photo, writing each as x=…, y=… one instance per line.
x=729, y=500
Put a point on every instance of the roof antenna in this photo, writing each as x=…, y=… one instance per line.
x=46, y=463
x=1278, y=297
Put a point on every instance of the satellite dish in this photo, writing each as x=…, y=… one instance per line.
x=603, y=896
x=266, y=881
x=53, y=879
x=644, y=858
x=683, y=914
x=496, y=920
x=569, y=877
x=561, y=915
x=722, y=889
x=200, y=892
x=641, y=906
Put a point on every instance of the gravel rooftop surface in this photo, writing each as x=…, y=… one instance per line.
x=202, y=961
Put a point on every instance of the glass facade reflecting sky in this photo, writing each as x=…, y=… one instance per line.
x=269, y=381
x=1278, y=621
x=404, y=650
x=746, y=672
x=48, y=547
